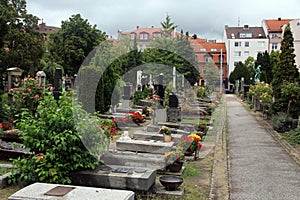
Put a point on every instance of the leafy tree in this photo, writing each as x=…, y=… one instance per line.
x=285, y=71
x=250, y=64
x=263, y=59
x=71, y=44
x=240, y=71
x=20, y=45
x=175, y=52
x=168, y=26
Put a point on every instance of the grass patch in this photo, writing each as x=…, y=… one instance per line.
x=189, y=172
x=209, y=138
x=6, y=192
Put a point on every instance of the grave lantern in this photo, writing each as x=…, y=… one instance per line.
x=14, y=77
x=41, y=77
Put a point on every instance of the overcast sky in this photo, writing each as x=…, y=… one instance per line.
x=206, y=18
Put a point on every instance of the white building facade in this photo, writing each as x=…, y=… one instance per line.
x=295, y=28
x=242, y=42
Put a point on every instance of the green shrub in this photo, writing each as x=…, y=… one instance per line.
x=293, y=136
x=54, y=142
x=282, y=122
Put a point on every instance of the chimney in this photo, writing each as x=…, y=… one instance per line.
x=194, y=36
x=137, y=27
x=246, y=27
x=279, y=18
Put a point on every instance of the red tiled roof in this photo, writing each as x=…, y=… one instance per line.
x=275, y=25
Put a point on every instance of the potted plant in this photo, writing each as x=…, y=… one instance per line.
x=174, y=160
x=166, y=132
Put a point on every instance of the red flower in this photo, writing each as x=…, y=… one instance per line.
x=11, y=90
x=1, y=125
x=199, y=145
x=29, y=90
x=51, y=89
x=37, y=96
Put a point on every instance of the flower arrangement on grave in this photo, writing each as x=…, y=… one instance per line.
x=174, y=156
x=202, y=125
x=155, y=100
x=136, y=117
x=109, y=127
x=146, y=111
x=190, y=143
x=4, y=127
x=165, y=130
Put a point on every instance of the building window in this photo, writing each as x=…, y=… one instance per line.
x=202, y=50
x=246, y=53
x=207, y=58
x=213, y=49
x=274, y=35
x=237, y=54
x=247, y=44
x=143, y=36
x=245, y=35
x=132, y=36
x=237, y=44
x=260, y=43
x=274, y=46
x=155, y=35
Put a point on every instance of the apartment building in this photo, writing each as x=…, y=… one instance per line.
x=242, y=42
x=274, y=31
x=207, y=51
x=144, y=35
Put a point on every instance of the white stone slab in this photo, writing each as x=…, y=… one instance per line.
x=36, y=191
x=151, y=146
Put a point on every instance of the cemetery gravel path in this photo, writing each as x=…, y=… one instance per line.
x=259, y=167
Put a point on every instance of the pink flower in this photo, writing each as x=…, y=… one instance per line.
x=51, y=89
x=11, y=90
x=37, y=96
x=31, y=79
x=29, y=90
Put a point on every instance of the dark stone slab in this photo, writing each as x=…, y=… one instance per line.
x=117, y=177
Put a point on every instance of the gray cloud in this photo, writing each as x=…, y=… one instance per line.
x=205, y=18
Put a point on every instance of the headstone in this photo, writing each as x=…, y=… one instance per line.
x=41, y=77
x=173, y=114
x=127, y=91
x=161, y=91
x=173, y=101
x=46, y=191
x=174, y=89
x=138, y=79
x=57, y=83
x=160, y=115
x=14, y=77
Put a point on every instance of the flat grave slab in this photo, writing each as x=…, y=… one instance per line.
x=116, y=177
x=151, y=146
x=37, y=191
x=155, y=128
x=142, y=135
x=131, y=159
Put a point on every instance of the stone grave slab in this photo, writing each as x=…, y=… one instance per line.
x=142, y=135
x=151, y=146
x=37, y=191
x=116, y=177
x=155, y=128
x=132, y=159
